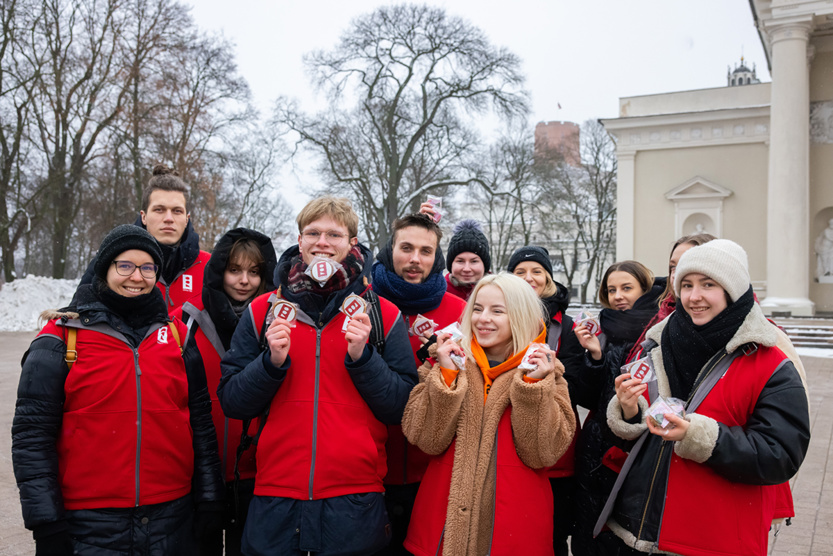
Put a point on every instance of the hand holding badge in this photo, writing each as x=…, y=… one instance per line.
x=448, y=340
x=657, y=412
x=279, y=320
x=590, y=322
x=321, y=269
x=436, y=206
x=356, y=326
x=537, y=361
x=282, y=309
x=422, y=327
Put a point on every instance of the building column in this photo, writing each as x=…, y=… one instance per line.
x=625, y=182
x=788, y=193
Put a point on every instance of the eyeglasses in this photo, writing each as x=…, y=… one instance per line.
x=126, y=268
x=312, y=236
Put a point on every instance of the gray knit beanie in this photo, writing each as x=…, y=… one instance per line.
x=722, y=260
x=123, y=238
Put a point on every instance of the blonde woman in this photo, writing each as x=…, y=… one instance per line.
x=493, y=427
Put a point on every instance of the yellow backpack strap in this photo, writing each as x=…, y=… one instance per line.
x=72, y=354
x=175, y=334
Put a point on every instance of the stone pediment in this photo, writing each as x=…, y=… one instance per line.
x=698, y=188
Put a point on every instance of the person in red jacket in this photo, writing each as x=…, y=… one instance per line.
x=707, y=482
x=165, y=216
x=241, y=268
x=495, y=420
x=409, y=273
x=332, y=364
x=112, y=442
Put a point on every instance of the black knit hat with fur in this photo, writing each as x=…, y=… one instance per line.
x=530, y=253
x=123, y=238
x=468, y=237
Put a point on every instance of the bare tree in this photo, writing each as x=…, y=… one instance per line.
x=414, y=77
x=78, y=94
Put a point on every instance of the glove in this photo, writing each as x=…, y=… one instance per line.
x=422, y=353
x=56, y=544
x=208, y=528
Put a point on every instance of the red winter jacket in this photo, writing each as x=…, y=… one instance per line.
x=125, y=436
x=228, y=430
x=461, y=292
x=186, y=285
x=406, y=462
x=323, y=438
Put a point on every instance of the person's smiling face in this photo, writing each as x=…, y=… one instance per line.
x=702, y=298
x=623, y=290
x=490, y=323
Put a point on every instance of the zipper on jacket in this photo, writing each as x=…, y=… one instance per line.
x=138, y=417
x=494, y=497
x=315, y=406
x=700, y=376
x=651, y=489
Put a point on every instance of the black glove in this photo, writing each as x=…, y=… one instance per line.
x=56, y=544
x=422, y=353
x=208, y=528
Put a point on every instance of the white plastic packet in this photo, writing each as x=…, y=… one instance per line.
x=321, y=269
x=643, y=369
x=437, y=205
x=661, y=406
x=454, y=330
x=526, y=364
x=591, y=322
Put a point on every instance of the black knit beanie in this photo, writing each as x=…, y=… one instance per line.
x=530, y=253
x=468, y=237
x=123, y=238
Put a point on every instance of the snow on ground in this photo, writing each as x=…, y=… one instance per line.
x=22, y=301
x=814, y=352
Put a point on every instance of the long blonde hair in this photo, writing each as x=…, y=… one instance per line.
x=525, y=310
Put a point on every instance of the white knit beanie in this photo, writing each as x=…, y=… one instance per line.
x=722, y=260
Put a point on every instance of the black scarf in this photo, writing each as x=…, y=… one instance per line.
x=686, y=347
x=625, y=327
x=557, y=302
x=132, y=316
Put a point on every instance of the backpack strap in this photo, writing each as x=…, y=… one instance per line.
x=377, y=326
x=72, y=353
x=175, y=334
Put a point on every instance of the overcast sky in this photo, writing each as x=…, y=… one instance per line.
x=581, y=54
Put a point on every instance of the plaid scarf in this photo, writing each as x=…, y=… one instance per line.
x=351, y=268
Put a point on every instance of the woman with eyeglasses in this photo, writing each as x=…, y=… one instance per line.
x=113, y=445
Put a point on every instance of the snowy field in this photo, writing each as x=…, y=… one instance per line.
x=22, y=301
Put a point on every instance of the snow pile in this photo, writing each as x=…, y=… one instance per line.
x=814, y=352
x=22, y=301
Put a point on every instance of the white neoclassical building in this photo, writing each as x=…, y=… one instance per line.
x=752, y=162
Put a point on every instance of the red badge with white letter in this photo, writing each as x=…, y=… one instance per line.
x=285, y=310
x=422, y=326
x=162, y=335
x=321, y=269
x=351, y=306
x=643, y=369
x=590, y=322
x=187, y=283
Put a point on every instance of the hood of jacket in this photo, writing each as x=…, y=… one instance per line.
x=214, y=297
x=558, y=302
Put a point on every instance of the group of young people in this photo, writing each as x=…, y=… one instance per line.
x=329, y=402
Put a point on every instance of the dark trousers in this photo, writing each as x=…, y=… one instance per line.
x=562, y=516
x=399, y=501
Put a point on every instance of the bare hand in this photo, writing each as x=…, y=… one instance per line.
x=544, y=359
x=589, y=341
x=445, y=347
x=427, y=208
x=278, y=341
x=628, y=392
x=357, y=333
x=675, y=431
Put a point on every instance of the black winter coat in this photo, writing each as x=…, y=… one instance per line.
x=37, y=424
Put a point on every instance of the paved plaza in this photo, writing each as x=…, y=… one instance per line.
x=810, y=534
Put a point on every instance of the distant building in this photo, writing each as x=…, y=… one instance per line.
x=751, y=163
x=741, y=75
x=559, y=137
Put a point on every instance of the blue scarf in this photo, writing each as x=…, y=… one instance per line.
x=408, y=298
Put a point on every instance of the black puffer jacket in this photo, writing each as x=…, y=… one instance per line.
x=594, y=478
x=37, y=425
x=570, y=352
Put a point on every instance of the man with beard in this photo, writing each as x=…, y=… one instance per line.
x=409, y=272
